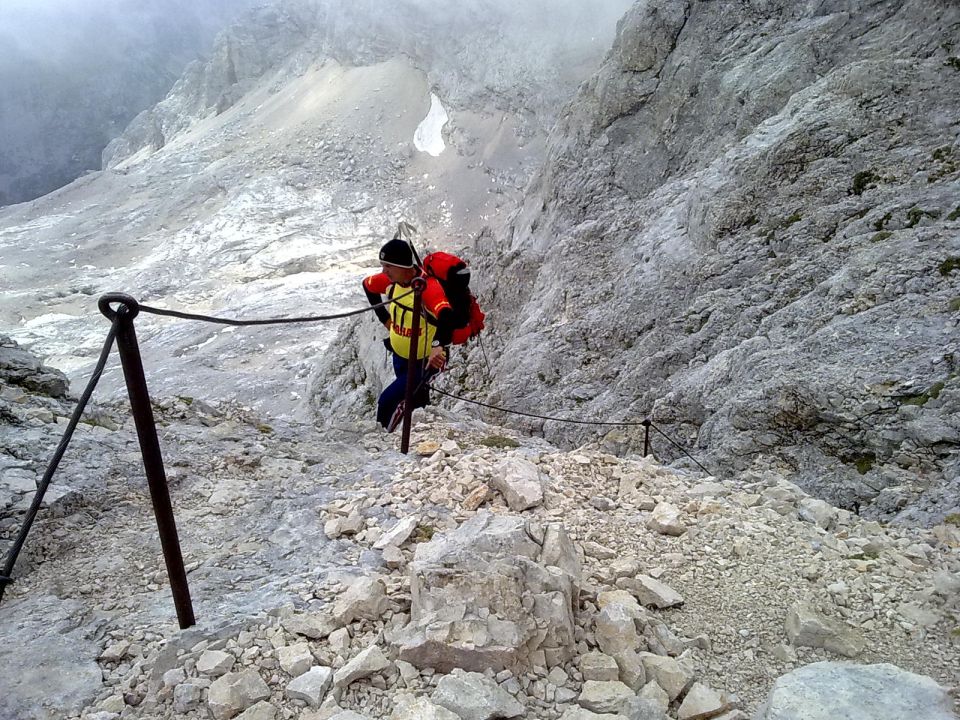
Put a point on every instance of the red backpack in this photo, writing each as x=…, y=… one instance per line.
x=453, y=274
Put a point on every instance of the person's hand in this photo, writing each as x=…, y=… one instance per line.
x=386, y=324
x=438, y=358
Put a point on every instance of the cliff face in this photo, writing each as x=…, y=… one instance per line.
x=487, y=52
x=748, y=227
x=72, y=78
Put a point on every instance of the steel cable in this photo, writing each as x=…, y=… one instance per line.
x=6, y=576
x=266, y=321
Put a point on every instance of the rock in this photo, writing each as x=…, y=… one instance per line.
x=638, y=708
x=665, y=519
x=115, y=652
x=597, y=666
x=366, y=663
x=315, y=626
x=559, y=551
x=398, y=534
x=349, y=715
x=656, y=694
x=656, y=594
x=427, y=448
x=295, y=659
x=410, y=708
x=235, y=692
x=365, y=598
x=817, y=511
x=616, y=630
x=670, y=674
x=187, y=697
x=339, y=641
x=476, y=497
x=603, y=697
x=579, y=713
x=830, y=690
x=312, y=686
x=261, y=711
x=393, y=557
x=480, y=599
x=519, y=482
x=701, y=703
x=598, y=551
x=215, y=663
x=631, y=671
x=808, y=628
x=473, y=696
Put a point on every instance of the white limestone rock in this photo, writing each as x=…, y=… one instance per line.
x=597, y=666
x=235, y=692
x=603, y=697
x=215, y=663
x=666, y=520
x=366, y=663
x=312, y=686
x=831, y=690
x=315, y=626
x=806, y=627
x=656, y=594
x=670, y=674
x=295, y=659
x=482, y=599
x=700, y=703
x=365, y=598
x=519, y=482
x=616, y=631
x=473, y=696
x=410, y=708
x=398, y=534
x=261, y=711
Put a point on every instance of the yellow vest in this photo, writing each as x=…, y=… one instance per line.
x=401, y=325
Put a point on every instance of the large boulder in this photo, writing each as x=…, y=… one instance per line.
x=829, y=690
x=481, y=597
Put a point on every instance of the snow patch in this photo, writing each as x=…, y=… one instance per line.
x=429, y=135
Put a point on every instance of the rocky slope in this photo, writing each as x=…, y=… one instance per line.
x=317, y=561
x=280, y=166
x=748, y=228
x=72, y=78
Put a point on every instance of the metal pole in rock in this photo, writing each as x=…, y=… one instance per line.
x=646, y=437
x=418, y=287
x=150, y=450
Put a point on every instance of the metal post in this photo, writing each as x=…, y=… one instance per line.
x=646, y=437
x=418, y=286
x=150, y=450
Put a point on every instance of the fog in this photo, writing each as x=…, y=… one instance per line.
x=73, y=73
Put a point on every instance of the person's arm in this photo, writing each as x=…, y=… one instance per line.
x=439, y=308
x=374, y=288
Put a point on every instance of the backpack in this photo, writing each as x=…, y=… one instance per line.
x=453, y=274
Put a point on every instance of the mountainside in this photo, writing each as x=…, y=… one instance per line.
x=741, y=220
x=264, y=183
x=748, y=228
x=73, y=77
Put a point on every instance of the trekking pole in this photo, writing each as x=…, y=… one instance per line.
x=418, y=286
x=646, y=437
x=150, y=449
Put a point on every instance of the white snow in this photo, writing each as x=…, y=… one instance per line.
x=429, y=135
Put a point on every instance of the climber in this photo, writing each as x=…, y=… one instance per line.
x=399, y=269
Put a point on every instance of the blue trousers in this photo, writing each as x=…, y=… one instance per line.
x=393, y=393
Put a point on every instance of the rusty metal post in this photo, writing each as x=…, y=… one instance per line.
x=150, y=449
x=418, y=287
x=646, y=437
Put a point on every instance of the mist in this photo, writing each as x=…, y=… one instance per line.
x=73, y=73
